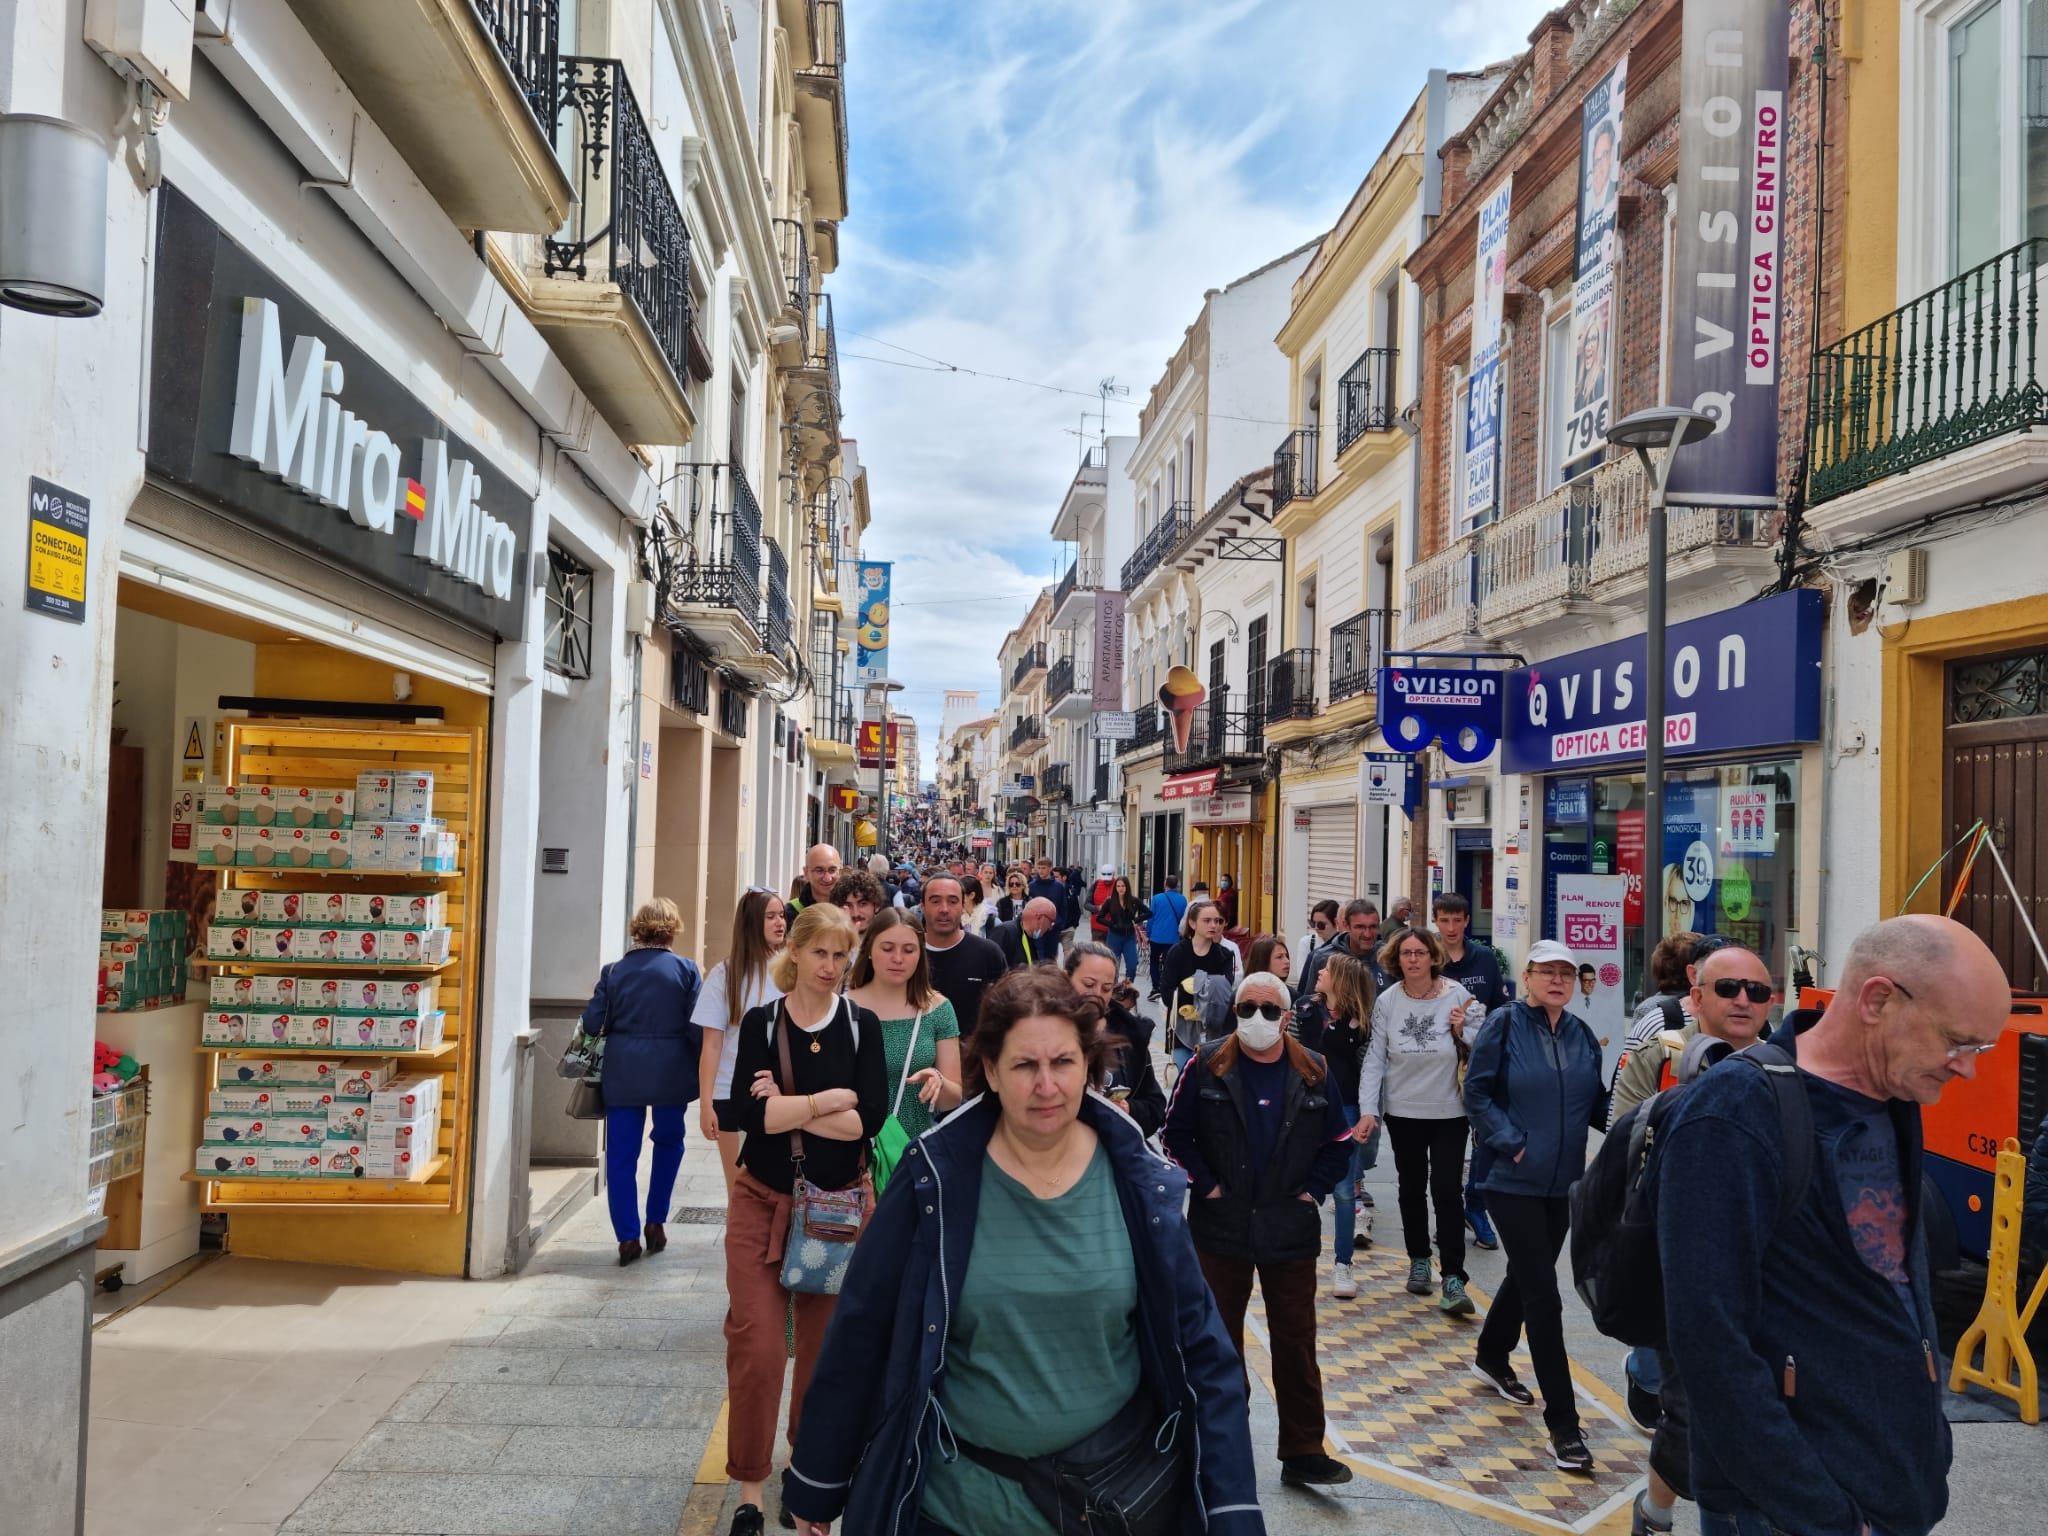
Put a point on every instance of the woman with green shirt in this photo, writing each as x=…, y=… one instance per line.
x=920, y=1034
x=1027, y=1291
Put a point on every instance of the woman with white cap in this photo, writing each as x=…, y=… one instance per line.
x=1533, y=1089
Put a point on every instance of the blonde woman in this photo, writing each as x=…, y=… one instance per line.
x=642, y=1006
x=736, y=985
x=831, y=1101
x=920, y=1032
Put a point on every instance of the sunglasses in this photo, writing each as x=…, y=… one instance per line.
x=1272, y=1011
x=1755, y=991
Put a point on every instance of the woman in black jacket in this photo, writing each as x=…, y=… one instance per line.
x=1130, y=1082
x=1116, y=919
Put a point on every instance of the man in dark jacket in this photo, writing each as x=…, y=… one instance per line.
x=1260, y=1128
x=1359, y=938
x=1806, y=1345
x=1033, y=939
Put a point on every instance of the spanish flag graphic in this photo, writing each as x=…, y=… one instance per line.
x=415, y=501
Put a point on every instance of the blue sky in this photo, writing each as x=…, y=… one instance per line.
x=1043, y=189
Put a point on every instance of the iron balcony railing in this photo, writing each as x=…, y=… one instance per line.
x=828, y=28
x=689, y=680
x=1358, y=649
x=1057, y=787
x=1537, y=555
x=1295, y=466
x=1033, y=660
x=1025, y=732
x=1365, y=396
x=625, y=227
x=528, y=34
x=1094, y=456
x=824, y=538
x=722, y=543
x=1956, y=367
x=796, y=266
x=1059, y=680
x=1150, y=728
x=1291, y=686
x=821, y=347
x=775, y=613
x=1164, y=538
x=1081, y=576
x=1442, y=595
x=835, y=718
x=1618, y=526
x=1216, y=733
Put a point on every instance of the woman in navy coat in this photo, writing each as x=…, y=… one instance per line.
x=642, y=1007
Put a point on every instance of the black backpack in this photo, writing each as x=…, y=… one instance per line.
x=1615, y=1267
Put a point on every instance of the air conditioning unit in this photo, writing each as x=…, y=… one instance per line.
x=146, y=40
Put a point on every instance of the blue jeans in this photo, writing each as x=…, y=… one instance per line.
x=1644, y=1370
x=1344, y=1202
x=1125, y=947
x=623, y=1129
x=1181, y=1057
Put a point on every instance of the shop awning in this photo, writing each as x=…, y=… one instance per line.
x=1189, y=786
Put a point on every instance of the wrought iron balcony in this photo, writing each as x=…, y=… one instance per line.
x=812, y=388
x=1059, y=680
x=1442, y=600
x=1956, y=367
x=1094, y=456
x=1618, y=529
x=835, y=716
x=626, y=227
x=1365, y=396
x=1291, y=686
x=795, y=242
x=527, y=33
x=1358, y=649
x=775, y=611
x=1164, y=538
x=1151, y=728
x=1295, y=466
x=825, y=524
x=1027, y=733
x=1537, y=555
x=1056, y=787
x=1216, y=734
x=1032, y=660
x=1081, y=576
x=720, y=556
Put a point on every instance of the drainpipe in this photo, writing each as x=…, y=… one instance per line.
x=633, y=772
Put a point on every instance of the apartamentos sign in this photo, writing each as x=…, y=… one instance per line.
x=263, y=407
x=1746, y=677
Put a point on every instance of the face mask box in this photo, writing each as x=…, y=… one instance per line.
x=319, y=944
x=270, y=943
x=234, y=1129
x=341, y=1159
x=400, y=1163
x=243, y=1103
x=400, y=1031
x=261, y=847
x=253, y=1072
x=224, y=1027
x=314, y=848
x=410, y=1098
x=278, y=992
x=297, y=1130
x=422, y=911
x=310, y=1031
x=327, y=808
x=421, y=1136
x=412, y=946
x=353, y=994
x=217, y=847
x=362, y=1079
x=412, y=996
x=366, y=845
x=228, y=1162
x=348, y=1120
x=368, y=909
x=290, y=1100
x=292, y=1161
x=373, y=797
x=271, y=1030
x=412, y=796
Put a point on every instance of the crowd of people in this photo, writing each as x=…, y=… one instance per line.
x=1018, y=1265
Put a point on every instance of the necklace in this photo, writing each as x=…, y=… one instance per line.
x=1423, y=996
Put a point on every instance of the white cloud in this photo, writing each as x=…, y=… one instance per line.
x=1045, y=191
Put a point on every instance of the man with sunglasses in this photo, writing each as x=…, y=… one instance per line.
x=1260, y=1128
x=1806, y=1343
x=1731, y=1001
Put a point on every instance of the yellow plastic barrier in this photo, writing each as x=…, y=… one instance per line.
x=2001, y=1324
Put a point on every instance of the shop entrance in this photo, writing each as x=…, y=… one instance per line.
x=1995, y=767
x=1160, y=838
x=1472, y=877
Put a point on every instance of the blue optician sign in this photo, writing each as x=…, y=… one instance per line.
x=1419, y=705
x=1746, y=677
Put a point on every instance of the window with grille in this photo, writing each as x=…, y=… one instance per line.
x=2003, y=688
x=568, y=614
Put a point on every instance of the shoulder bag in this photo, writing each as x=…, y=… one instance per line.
x=1130, y=1478
x=583, y=1065
x=823, y=1223
x=892, y=1140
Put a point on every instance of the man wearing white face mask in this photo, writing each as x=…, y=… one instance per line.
x=1259, y=1126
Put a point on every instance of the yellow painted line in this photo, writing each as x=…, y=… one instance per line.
x=711, y=1469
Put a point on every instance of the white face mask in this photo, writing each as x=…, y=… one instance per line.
x=1258, y=1032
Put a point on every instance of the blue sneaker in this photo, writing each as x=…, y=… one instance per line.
x=1481, y=1228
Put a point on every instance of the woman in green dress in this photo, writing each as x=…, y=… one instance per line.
x=920, y=1033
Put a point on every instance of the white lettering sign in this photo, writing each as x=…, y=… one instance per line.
x=1630, y=736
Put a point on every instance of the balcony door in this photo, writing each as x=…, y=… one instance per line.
x=1994, y=118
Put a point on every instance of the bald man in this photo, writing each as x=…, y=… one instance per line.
x=1806, y=1344
x=821, y=868
x=1033, y=939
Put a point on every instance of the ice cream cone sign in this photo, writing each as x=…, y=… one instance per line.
x=1182, y=696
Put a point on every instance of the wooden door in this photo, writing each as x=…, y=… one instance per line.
x=1995, y=767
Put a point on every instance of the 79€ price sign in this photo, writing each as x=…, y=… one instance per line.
x=58, y=525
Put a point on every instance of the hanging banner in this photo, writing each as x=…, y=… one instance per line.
x=1727, y=282
x=1589, y=922
x=1108, y=690
x=871, y=619
x=1482, y=406
x=1593, y=286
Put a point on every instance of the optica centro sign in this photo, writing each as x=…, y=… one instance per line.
x=1460, y=708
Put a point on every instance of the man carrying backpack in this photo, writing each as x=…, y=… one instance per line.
x=1804, y=1334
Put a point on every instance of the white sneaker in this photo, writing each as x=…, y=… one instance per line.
x=1346, y=1287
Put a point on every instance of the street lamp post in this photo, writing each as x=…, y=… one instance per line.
x=879, y=689
x=1656, y=435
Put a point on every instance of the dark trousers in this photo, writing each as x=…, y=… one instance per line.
x=1159, y=953
x=1290, y=1292
x=623, y=1129
x=1532, y=1232
x=1482, y=1165
x=1429, y=1163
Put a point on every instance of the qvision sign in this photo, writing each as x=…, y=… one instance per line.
x=268, y=411
x=290, y=422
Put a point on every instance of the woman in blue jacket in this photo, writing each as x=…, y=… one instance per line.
x=964, y=1352
x=642, y=1007
x=1533, y=1089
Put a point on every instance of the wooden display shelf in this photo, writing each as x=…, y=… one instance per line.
x=316, y=1052
x=338, y=967
x=298, y=872
x=429, y=1171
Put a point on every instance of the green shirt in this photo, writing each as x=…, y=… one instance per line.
x=939, y=1024
x=1044, y=1346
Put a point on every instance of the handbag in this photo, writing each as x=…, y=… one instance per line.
x=1129, y=1478
x=823, y=1223
x=892, y=1140
x=586, y=1099
x=583, y=1065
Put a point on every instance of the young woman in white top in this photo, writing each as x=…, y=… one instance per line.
x=980, y=914
x=758, y=928
x=1410, y=1074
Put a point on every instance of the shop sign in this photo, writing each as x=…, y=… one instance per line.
x=58, y=524
x=1108, y=689
x=845, y=798
x=1746, y=819
x=1115, y=724
x=1385, y=780
x=260, y=406
x=1459, y=708
x=1568, y=802
x=1745, y=677
x=1188, y=786
x=1589, y=921
x=868, y=746
x=1231, y=807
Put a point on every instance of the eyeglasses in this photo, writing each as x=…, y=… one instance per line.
x=1755, y=991
x=1556, y=971
x=1272, y=1011
x=1951, y=1050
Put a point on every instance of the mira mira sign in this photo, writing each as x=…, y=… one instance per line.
x=278, y=420
x=290, y=423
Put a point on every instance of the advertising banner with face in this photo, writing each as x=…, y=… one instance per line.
x=1593, y=296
